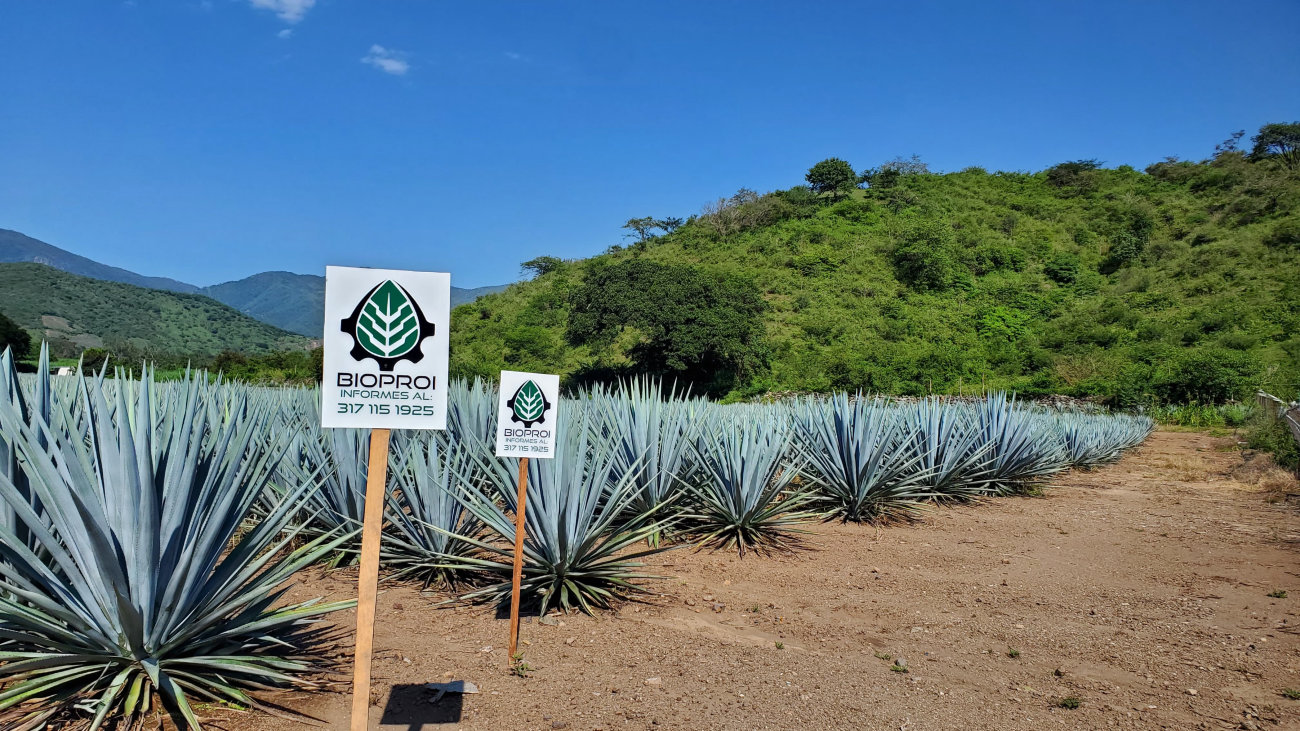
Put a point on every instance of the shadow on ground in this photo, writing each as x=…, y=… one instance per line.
x=412, y=705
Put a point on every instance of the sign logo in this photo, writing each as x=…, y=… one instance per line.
x=388, y=326
x=529, y=405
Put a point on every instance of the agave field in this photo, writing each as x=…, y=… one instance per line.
x=148, y=530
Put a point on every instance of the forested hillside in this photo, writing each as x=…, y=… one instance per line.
x=1177, y=283
x=73, y=313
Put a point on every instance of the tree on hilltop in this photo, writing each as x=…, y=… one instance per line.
x=833, y=176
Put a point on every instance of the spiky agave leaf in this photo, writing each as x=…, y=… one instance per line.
x=576, y=524
x=653, y=441
x=953, y=453
x=1025, y=448
x=745, y=495
x=144, y=586
x=334, y=463
x=425, y=518
x=863, y=458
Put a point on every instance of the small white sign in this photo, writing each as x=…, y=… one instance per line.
x=527, y=414
x=385, y=349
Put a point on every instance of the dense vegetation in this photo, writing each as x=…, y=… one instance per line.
x=14, y=338
x=75, y=312
x=1180, y=283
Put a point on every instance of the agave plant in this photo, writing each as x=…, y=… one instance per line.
x=334, y=463
x=145, y=590
x=1024, y=448
x=746, y=494
x=424, y=517
x=863, y=457
x=953, y=454
x=1095, y=439
x=652, y=442
x=577, y=523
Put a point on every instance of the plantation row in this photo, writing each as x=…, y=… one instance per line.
x=147, y=529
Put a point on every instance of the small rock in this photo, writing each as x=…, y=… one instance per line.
x=875, y=570
x=406, y=660
x=901, y=662
x=569, y=641
x=708, y=597
x=1191, y=691
x=690, y=602
x=654, y=681
x=559, y=724
x=486, y=649
x=718, y=607
x=548, y=621
x=727, y=582
x=1006, y=560
x=397, y=606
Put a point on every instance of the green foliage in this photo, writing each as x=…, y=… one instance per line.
x=1273, y=436
x=542, y=265
x=1076, y=177
x=686, y=324
x=95, y=313
x=1063, y=268
x=887, y=289
x=833, y=176
x=1206, y=375
x=926, y=256
x=1278, y=141
x=14, y=338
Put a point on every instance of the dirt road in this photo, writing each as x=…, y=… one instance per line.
x=1140, y=589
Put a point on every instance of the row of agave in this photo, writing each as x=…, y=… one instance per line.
x=147, y=530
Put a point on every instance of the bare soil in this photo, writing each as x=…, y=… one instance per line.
x=1140, y=589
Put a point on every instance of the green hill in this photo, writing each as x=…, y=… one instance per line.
x=73, y=312
x=1178, y=283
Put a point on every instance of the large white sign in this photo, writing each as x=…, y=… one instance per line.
x=527, y=414
x=385, y=349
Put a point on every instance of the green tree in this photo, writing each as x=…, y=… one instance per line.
x=1278, y=141
x=542, y=265
x=1076, y=176
x=689, y=325
x=833, y=176
x=641, y=227
x=669, y=224
x=926, y=256
x=14, y=338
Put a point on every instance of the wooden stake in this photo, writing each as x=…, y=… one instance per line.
x=368, y=578
x=519, y=556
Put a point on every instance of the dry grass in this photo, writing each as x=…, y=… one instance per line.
x=1258, y=470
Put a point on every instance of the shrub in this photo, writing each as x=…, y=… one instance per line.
x=925, y=256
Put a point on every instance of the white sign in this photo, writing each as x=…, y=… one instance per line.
x=527, y=415
x=385, y=349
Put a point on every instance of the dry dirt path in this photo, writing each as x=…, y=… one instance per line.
x=1141, y=589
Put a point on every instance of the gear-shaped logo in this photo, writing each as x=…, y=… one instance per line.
x=529, y=405
x=387, y=325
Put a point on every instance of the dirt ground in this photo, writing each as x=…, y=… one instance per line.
x=1140, y=589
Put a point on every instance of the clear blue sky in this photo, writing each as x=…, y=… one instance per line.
x=208, y=140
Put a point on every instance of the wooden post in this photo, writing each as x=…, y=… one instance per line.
x=368, y=578
x=519, y=557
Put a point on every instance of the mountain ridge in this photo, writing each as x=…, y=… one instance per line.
x=286, y=300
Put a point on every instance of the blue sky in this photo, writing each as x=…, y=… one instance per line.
x=208, y=140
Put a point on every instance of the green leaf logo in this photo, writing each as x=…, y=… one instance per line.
x=528, y=405
x=388, y=326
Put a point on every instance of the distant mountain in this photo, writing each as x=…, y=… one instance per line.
x=296, y=302
x=16, y=247
x=293, y=302
x=73, y=313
